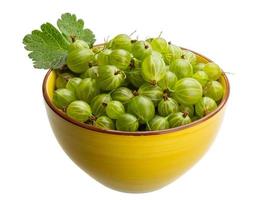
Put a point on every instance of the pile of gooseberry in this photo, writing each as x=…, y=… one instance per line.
x=135, y=85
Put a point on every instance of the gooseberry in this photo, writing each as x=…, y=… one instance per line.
x=142, y=107
x=188, y=91
x=213, y=71
x=205, y=106
x=181, y=67
x=127, y=122
x=122, y=94
x=154, y=92
x=178, y=119
x=87, y=89
x=202, y=77
x=214, y=90
x=114, y=109
x=99, y=104
x=79, y=110
x=167, y=106
x=153, y=69
x=158, y=123
x=141, y=49
x=104, y=122
x=63, y=97
x=110, y=77
x=120, y=58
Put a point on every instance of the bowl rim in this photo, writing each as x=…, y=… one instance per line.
x=136, y=133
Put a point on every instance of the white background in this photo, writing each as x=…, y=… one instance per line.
x=232, y=33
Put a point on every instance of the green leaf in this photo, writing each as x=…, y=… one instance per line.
x=73, y=29
x=48, y=47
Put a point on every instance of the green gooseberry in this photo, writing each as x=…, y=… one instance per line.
x=62, y=79
x=202, y=77
x=214, y=90
x=189, y=56
x=110, y=77
x=102, y=58
x=154, y=92
x=63, y=97
x=87, y=89
x=141, y=49
x=114, y=109
x=198, y=67
x=73, y=84
x=156, y=53
x=104, y=122
x=99, y=104
x=172, y=53
x=205, y=106
x=142, y=107
x=158, y=123
x=167, y=106
x=134, y=76
x=92, y=72
x=178, y=119
x=78, y=59
x=79, y=110
x=168, y=82
x=78, y=44
x=121, y=41
x=159, y=44
x=187, y=109
x=120, y=58
x=153, y=69
x=182, y=68
x=187, y=91
x=127, y=122
x=122, y=94
x=213, y=71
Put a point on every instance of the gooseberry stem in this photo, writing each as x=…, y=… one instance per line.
x=165, y=96
x=147, y=123
x=132, y=33
x=160, y=34
x=185, y=114
x=135, y=93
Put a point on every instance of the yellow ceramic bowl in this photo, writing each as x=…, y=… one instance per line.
x=133, y=162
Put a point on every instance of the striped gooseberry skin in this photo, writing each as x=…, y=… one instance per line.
x=182, y=68
x=173, y=52
x=78, y=59
x=141, y=49
x=142, y=107
x=134, y=77
x=158, y=123
x=121, y=41
x=169, y=81
x=154, y=92
x=122, y=94
x=104, y=122
x=127, y=122
x=110, y=77
x=87, y=89
x=153, y=68
x=214, y=90
x=205, y=106
x=79, y=110
x=188, y=91
x=167, y=106
x=120, y=58
x=99, y=103
x=178, y=119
